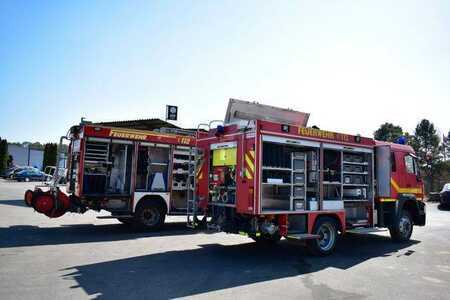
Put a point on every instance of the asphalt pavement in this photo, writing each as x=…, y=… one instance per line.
x=82, y=257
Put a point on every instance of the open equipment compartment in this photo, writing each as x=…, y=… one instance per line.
x=108, y=165
x=289, y=175
x=358, y=185
x=153, y=167
x=222, y=182
x=348, y=182
x=182, y=185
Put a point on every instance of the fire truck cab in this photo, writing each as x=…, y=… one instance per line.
x=139, y=176
x=270, y=176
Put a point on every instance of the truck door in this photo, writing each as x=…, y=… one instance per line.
x=412, y=178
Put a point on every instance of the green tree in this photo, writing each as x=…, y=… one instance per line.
x=3, y=154
x=388, y=132
x=426, y=143
x=50, y=155
x=446, y=146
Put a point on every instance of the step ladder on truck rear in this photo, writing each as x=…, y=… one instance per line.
x=191, y=205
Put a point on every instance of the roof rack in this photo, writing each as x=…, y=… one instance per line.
x=177, y=131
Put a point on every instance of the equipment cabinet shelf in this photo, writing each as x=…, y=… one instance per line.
x=355, y=200
x=355, y=184
x=355, y=163
x=281, y=184
x=277, y=169
x=357, y=173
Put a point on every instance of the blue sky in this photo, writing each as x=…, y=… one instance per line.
x=352, y=64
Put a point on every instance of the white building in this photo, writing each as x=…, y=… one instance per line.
x=24, y=156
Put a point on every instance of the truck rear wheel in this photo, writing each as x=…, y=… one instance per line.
x=402, y=228
x=149, y=216
x=326, y=229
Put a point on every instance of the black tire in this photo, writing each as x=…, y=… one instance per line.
x=402, y=229
x=327, y=229
x=266, y=239
x=149, y=216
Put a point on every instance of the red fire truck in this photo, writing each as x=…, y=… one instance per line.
x=139, y=176
x=269, y=176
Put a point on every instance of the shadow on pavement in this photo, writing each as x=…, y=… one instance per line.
x=18, y=202
x=444, y=207
x=214, y=267
x=27, y=235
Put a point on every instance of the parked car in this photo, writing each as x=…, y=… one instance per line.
x=8, y=172
x=20, y=169
x=445, y=195
x=31, y=175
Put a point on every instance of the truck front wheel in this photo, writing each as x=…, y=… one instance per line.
x=326, y=229
x=402, y=228
x=149, y=216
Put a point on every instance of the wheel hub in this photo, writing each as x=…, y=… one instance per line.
x=326, y=237
x=404, y=225
x=150, y=216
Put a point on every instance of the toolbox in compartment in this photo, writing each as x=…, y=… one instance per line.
x=299, y=205
x=299, y=178
x=356, y=158
x=299, y=191
x=353, y=168
x=355, y=193
x=354, y=179
x=299, y=163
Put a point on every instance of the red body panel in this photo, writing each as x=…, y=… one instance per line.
x=137, y=135
x=129, y=135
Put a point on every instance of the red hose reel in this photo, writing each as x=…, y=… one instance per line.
x=48, y=204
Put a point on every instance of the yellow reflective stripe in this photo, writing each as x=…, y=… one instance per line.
x=249, y=163
x=252, y=153
x=248, y=174
x=387, y=200
x=405, y=190
x=199, y=170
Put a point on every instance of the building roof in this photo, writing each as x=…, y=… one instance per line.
x=143, y=124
